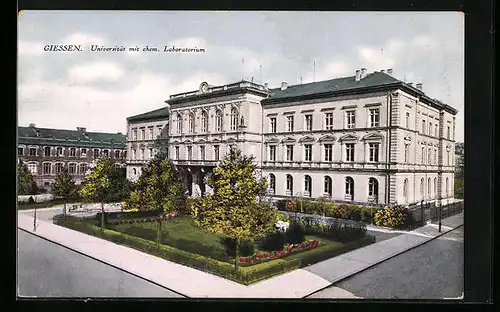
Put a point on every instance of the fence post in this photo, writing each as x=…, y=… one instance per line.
x=422, y=212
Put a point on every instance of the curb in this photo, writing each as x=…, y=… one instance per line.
x=379, y=261
x=103, y=262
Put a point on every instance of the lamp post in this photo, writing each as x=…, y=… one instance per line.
x=422, y=211
x=440, y=209
x=34, y=221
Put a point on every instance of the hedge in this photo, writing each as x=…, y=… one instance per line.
x=245, y=275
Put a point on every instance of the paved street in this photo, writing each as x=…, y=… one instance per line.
x=49, y=270
x=431, y=271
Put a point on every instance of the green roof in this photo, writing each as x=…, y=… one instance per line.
x=60, y=137
x=372, y=81
x=155, y=114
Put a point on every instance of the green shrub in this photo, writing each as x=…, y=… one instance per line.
x=273, y=241
x=295, y=234
x=247, y=247
x=355, y=213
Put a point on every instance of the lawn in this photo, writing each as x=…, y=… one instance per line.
x=185, y=243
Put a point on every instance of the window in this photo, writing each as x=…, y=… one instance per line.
x=308, y=122
x=423, y=126
x=327, y=187
x=134, y=171
x=289, y=152
x=202, y=152
x=429, y=159
x=143, y=133
x=349, y=188
x=216, y=152
x=422, y=159
x=190, y=152
x=407, y=153
x=328, y=121
x=96, y=153
x=72, y=168
x=83, y=152
x=46, y=168
x=158, y=129
x=59, y=167
x=272, y=121
x=308, y=152
x=20, y=151
x=124, y=154
x=83, y=168
x=72, y=152
x=407, y=120
x=32, y=168
x=430, y=128
x=179, y=123
x=150, y=133
x=435, y=156
x=134, y=134
x=218, y=120
x=272, y=152
x=422, y=188
x=447, y=186
x=234, y=119
x=151, y=153
x=133, y=153
x=46, y=151
x=191, y=123
x=373, y=149
x=373, y=188
x=117, y=154
x=289, y=122
x=447, y=158
x=177, y=152
x=142, y=153
x=328, y=152
x=436, y=130
x=448, y=132
x=105, y=153
x=289, y=184
x=435, y=187
x=349, y=152
x=272, y=183
x=405, y=189
x=429, y=187
x=350, y=119
x=32, y=151
x=307, y=186
x=204, y=121
x=59, y=151
x=374, y=117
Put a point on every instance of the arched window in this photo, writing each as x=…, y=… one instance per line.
x=429, y=188
x=72, y=168
x=289, y=184
x=179, y=123
x=59, y=167
x=272, y=183
x=234, y=118
x=307, y=186
x=204, y=121
x=435, y=187
x=134, y=171
x=373, y=189
x=405, y=189
x=117, y=154
x=349, y=188
x=218, y=120
x=422, y=188
x=191, y=123
x=447, y=188
x=82, y=168
x=328, y=186
x=429, y=158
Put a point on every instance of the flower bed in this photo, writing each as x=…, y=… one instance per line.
x=280, y=253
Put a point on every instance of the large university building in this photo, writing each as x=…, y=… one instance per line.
x=366, y=138
x=47, y=151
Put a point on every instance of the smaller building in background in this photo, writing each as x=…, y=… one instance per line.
x=47, y=151
x=147, y=132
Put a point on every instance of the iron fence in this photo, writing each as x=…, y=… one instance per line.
x=430, y=211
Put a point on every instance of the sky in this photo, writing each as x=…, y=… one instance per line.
x=99, y=90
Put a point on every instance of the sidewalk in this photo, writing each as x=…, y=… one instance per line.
x=193, y=283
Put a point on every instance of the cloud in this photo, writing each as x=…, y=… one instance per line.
x=95, y=71
x=29, y=48
x=83, y=39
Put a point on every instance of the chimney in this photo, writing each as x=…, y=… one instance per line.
x=383, y=71
x=363, y=73
x=358, y=74
x=81, y=129
x=32, y=125
x=389, y=71
x=419, y=86
x=284, y=85
x=266, y=85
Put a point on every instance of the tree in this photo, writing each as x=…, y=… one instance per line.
x=459, y=188
x=158, y=188
x=64, y=187
x=160, y=144
x=233, y=210
x=98, y=184
x=26, y=184
x=120, y=186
